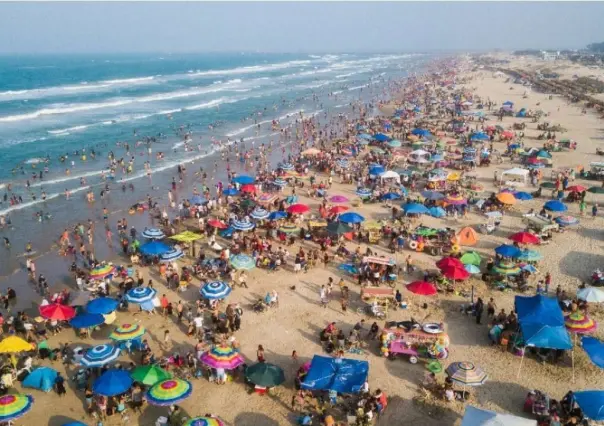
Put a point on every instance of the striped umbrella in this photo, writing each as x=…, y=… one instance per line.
x=578, y=322
x=289, y=228
x=466, y=373
x=242, y=226
x=266, y=197
x=342, y=163
x=153, y=233
x=100, y=355
x=13, y=406
x=222, y=357
x=259, y=213
x=286, y=166
x=363, y=192
x=215, y=290
x=280, y=182
x=141, y=294
x=127, y=332
x=204, y=421
x=101, y=272
x=242, y=261
x=168, y=392
x=456, y=200
x=567, y=220
x=171, y=255
x=504, y=268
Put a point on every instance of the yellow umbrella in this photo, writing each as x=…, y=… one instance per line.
x=187, y=237
x=373, y=224
x=453, y=177
x=110, y=317
x=14, y=344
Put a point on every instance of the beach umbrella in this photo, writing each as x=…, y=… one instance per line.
x=505, y=268
x=479, y=137
x=141, y=294
x=365, y=136
x=576, y=188
x=380, y=137
x=127, y=332
x=198, y=199
x=525, y=238
x=13, y=406
x=222, y=357
x=507, y=250
x=204, y=421
x=280, y=182
x=289, y=228
x=455, y=273
x=86, y=320
x=437, y=212
x=578, y=322
x=153, y=233
x=449, y=261
x=394, y=143
x=172, y=255
x=186, y=237
x=594, y=349
x=286, y=166
x=471, y=258
x=363, y=192
x=390, y=196
x=277, y=215
x=298, y=209
x=466, y=373
x=149, y=375
x=311, y=151
x=522, y=196
x=102, y=305
x=101, y=272
x=42, y=378
x=415, y=208
x=338, y=199
x=244, y=180
x=472, y=269
x=99, y=355
x=265, y=374
x=376, y=170
x=422, y=288
x=377, y=150
x=230, y=191
x=241, y=225
x=168, y=392
x=506, y=198
x=338, y=209
x=530, y=268
x=591, y=295
x=373, y=224
x=56, y=311
x=249, y=188
x=555, y=206
x=432, y=195
x=351, y=217
x=112, y=382
x=456, y=200
x=591, y=403
x=343, y=164
x=215, y=290
x=154, y=248
x=566, y=220
x=596, y=190
x=259, y=213
x=530, y=255
x=215, y=223
x=338, y=228
x=548, y=185
x=242, y=262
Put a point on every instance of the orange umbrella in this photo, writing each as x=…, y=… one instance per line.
x=506, y=198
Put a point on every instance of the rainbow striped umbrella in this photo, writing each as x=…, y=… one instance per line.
x=14, y=406
x=127, y=332
x=466, y=373
x=222, y=357
x=204, y=421
x=289, y=228
x=168, y=392
x=504, y=268
x=456, y=200
x=101, y=272
x=578, y=322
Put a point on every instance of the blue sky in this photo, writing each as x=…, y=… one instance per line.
x=296, y=27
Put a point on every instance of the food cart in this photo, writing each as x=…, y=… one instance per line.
x=382, y=263
x=429, y=341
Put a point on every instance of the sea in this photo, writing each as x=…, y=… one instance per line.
x=56, y=110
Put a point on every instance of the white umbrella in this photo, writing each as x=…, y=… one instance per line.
x=591, y=294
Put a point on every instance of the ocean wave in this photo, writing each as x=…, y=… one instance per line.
x=68, y=178
x=358, y=87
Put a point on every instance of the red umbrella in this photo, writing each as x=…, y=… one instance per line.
x=446, y=262
x=298, y=208
x=576, y=188
x=56, y=311
x=422, y=288
x=454, y=273
x=524, y=238
x=338, y=209
x=248, y=188
x=217, y=224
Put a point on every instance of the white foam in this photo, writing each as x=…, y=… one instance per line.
x=69, y=129
x=68, y=178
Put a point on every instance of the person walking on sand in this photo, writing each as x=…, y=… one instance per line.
x=323, y=297
x=582, y=207
x=260, y=354
x=594, y=210
x=167, y=342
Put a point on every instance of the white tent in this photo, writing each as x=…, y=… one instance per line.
x=479, y=417
x=390, y=174
x=515, y=174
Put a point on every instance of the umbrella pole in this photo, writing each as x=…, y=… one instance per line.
x=572, y=355
x=521, y=360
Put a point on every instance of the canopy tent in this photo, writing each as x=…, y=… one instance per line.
x=516, y=172
x=479, y=417
x=391, y=175
x=342, y=375
x=591, y=403
x=594, y=349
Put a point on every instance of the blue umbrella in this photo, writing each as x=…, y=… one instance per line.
x=566, y=220
x=153, y=233
x=362, y=141
x=112, y=382
x=479, y=136
x=530, y=255
x=349, y=268
x=280, y=182
x=365, y=136
x=154, y=248
x=523, y=196
x=230, y=191
x=102, y=305
x=591, y=403
x=594, y=349
x=215, y=290
x=42, y=378
x=529, y=268
x=287, y=166
x=380, y=137
x=472, y=269
x=74, y=424
x=376, y=170
x=437, y=157
x=99, y=355
x=244, y=180
x=394, y=143
x=437, y=212
x=242, y=226
x=87, y=320
x=555, y=206
x=259, y=214
x=171, y=255
x=141, y=294
x=391, y=196
x=277, y=215
x=415, y=208
x=421, y=132
x=198, y=199
x=508, y=103
x=507, y=250
x=432, y=195
x=351, y=217
x=363, y=192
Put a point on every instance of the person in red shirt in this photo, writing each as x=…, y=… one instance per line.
x=164, y=304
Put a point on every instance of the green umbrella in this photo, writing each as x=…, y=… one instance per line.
x=149, y=375
x=596, y=190
x=548, y=185
x=471, y=258
x=265, y=375
x=247, y=203
x=338, y=228
x=425, y=232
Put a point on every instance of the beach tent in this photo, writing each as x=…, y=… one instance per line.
x=42, y=378
x=594, y=349
x=591, y=403
x=516, y=172
x=467, y=236
x=390, y=174
x=341, y=375
x=376, y=170
x=479, y=417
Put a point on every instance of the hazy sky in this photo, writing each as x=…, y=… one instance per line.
x=294, y=27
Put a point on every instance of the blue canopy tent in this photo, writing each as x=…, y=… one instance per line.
x=376, y=170
x=244, y=180
x=479, y=417
x=415, y=208
x=342, y=375
x=154, y=248
x=591, y=403
x=594, y=349
x=42, y=378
